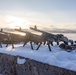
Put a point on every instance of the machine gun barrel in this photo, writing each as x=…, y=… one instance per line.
x=36, y=29
x=21, y=31
x=40, y=30
x=8, y=33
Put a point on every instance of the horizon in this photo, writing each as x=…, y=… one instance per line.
x=57, y=13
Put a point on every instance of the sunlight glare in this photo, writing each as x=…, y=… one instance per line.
x=14, y=22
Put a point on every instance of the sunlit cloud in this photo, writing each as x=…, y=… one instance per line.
x=39, y=12
x=26, y=18
x=38, y=18
x=13, y=21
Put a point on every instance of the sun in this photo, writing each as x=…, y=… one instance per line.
x=13, y=22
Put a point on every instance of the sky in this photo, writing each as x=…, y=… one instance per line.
x=58, y=13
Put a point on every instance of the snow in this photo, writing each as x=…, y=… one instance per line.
x=56, y=57
x=20, y=61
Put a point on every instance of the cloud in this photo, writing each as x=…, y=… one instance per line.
x=56, y=18
x=38, y=18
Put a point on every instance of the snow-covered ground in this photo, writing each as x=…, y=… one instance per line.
x=56, y=57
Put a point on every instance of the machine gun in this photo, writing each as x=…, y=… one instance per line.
x=3, y=37
x=51, y=37
x=29, y=37
x=8, y=38
x=56, y=38
x=34, y=38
